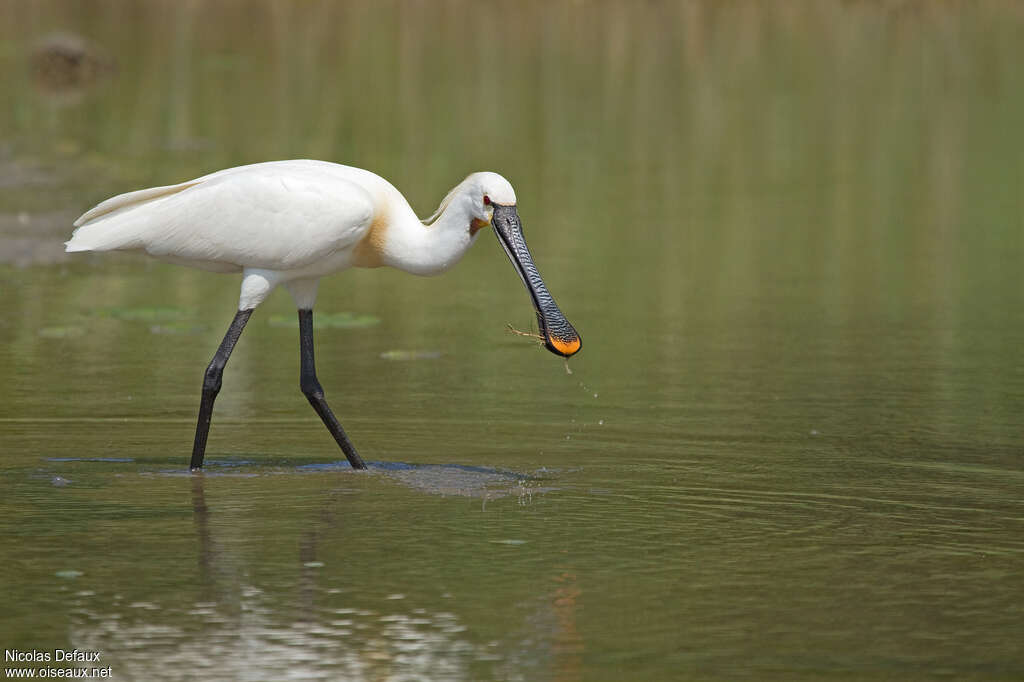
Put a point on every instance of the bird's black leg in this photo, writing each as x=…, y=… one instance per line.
x=315, y=393
x=211, y=385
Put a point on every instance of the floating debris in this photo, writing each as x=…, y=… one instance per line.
x=90, y=459
x=65, y=61
x=70, y=574
x=532, y=335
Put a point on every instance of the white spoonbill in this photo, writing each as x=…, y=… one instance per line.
x=291, y=223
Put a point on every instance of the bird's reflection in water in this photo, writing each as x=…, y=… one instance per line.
x=233, y=627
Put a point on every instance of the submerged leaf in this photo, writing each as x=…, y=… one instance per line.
x=61, y=332
x=178, y=327
x=147, y=314
x=327, y=320
x=410, y=354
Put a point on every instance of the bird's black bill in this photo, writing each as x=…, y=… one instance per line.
x=559, y=336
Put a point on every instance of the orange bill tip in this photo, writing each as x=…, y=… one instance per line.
x=565, y=347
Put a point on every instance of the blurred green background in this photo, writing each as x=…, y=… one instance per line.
x=790, y=233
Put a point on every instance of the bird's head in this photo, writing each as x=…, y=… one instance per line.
x=494, y=204
x=485, y=191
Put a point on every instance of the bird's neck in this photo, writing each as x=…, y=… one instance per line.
x=433, y=246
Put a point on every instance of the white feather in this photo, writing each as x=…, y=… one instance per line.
x=285, y=221
x=280, y=215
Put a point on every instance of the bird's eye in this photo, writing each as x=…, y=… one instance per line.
x=487, y=200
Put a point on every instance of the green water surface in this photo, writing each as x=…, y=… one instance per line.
x=790, y=234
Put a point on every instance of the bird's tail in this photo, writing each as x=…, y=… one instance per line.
x=110, y=225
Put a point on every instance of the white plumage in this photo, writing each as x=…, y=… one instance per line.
x=280, y=216
x=291, y=222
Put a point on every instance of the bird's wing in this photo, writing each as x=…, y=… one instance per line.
x=277, y=216
x=130, y=199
